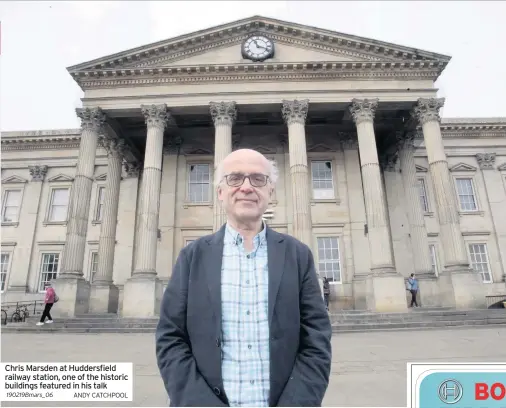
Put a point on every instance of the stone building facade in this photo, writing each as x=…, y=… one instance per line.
x=371, y=177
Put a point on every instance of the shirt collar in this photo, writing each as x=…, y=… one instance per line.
x=234, y=237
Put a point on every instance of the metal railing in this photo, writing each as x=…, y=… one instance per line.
x=20, y=311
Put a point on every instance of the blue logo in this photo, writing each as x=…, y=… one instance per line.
x=450, y=391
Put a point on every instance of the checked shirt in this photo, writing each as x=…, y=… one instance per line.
x=245, y=326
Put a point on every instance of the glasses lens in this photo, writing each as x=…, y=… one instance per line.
x=258, y=180
x=235, y=180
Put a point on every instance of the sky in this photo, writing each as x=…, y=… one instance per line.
x=39, y=40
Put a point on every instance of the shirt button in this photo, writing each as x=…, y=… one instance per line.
x=252, y=381
x=249, y=346
x=247, y=312
x=248, y=256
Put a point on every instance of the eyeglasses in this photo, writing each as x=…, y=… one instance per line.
x=255, y=179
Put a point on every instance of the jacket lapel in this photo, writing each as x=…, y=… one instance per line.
x=276, y=246
x=211, y=262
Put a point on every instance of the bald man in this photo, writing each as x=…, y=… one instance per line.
x=242, y=321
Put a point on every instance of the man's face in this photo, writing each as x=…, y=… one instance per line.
x=245, y=199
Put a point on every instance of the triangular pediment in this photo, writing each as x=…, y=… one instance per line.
x=421, y=169
x=222, y=45
x=463, y=167
x=101, y=177
x=60, y=177
x=320, y=147
x=14, y=180
x=198, y=150
x=502, y=167
x=263, y=149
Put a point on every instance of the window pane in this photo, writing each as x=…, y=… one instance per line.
x=49, y=269
x=329, y=264
x=466, y=194
x=13, y=198
x=60, y=196
x=479, y=261
x=4, y=264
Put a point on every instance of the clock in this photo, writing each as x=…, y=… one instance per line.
x=258, y=48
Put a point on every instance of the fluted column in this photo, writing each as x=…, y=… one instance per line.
x=427, y=113
x=418, y=231
x=224, y=115
x=377, y=221
x=295, y=114
x=92, y=121
x=145, y=259
x=107, y=240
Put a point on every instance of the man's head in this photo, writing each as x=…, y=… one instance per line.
x=245, y=180
x=412, y=275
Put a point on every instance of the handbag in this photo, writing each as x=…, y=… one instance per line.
x=56, y=298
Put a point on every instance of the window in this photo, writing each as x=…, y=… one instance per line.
x=433, y=259
x=321, y=177
x=93, y=266
x=4, y=267
x=329, y=263
x=49, y=269
x=59, y=204
x=100, y=204
x=10, y=205
x=199, y=183
x=466, y=194
x=479, y=261
x=423, y=195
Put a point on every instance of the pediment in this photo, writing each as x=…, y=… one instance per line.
x=263, y=149
x=292, y=43
x=197, y=150
x=421, y=169
x=101, y=177
x=320, y=147
x=463, y=167
x=60, y=177
x=14, y=180
x=502, y=167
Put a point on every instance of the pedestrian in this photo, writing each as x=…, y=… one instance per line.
x=50, y=299
x=242, y=321
x=413, y=288
x=326, y=291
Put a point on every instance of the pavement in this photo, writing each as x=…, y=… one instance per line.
x=368, y=369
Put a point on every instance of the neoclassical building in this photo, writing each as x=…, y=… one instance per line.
x=371, y=177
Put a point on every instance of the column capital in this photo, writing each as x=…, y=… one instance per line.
x=295, y=111
x=486, y=161
x=37, y=172
x=156, y=115
x=363, y=110
x=172, y=145
x=348, y=140
x=406, y=139
x=427, y=110
x=115, y=147
x=91, y=118
x=132, y=168
x=223, y=113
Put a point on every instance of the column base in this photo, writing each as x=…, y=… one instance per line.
x=362, y=297
x=462, y=288
x=387, y=293
x=142, y=296
x=104, y=298
x=429, y=294
x=74, y=295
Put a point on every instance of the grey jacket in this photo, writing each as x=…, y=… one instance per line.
x=188, y=336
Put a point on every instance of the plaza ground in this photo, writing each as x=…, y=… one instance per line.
x=368, y=369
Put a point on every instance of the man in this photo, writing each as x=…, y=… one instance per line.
x=326, y=291
x=413, y=288
x=242, y=321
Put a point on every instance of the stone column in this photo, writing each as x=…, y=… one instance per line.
x=73, y=290
x=418, y=231
x=388, y=286
x=496, y=198
x=104, y=295
x=224, y=115
x=461, y=286
x=295, y=114
x=18, y=282
x=143, y=291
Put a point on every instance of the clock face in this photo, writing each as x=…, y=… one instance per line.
x=258, y=48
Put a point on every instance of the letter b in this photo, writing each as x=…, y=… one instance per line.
x=481, y=391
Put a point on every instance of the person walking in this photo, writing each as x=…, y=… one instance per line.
x=49, y=300
x=326, y=291
x=243, y=321
x=413, y=288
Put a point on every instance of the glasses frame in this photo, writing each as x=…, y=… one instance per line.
x=246, y=176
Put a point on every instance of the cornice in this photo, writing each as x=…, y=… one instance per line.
x=294, y=71
x=203, y=40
